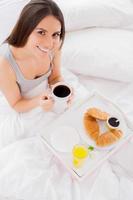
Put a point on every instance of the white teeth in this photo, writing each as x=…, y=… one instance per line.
x=43, y=49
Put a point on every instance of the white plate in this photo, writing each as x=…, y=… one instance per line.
x=114, y=111
x=64, y=138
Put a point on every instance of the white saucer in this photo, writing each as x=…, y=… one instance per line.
x=64, y=138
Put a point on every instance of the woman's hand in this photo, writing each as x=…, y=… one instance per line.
x=70, y=100
x=46, y=102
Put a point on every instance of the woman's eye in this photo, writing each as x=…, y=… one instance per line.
x=56, y=35
x=41, y=32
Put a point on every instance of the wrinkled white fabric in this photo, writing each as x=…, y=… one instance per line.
x=96, y=13
x=28, y=170
x=100, y=52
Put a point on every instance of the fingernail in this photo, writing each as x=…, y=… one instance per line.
x=45, y=98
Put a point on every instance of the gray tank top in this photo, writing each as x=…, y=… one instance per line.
x=24, y=84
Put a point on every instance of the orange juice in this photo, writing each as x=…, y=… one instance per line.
x=80, y=153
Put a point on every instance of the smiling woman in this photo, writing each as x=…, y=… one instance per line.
x=30, y=59
x=32, y=54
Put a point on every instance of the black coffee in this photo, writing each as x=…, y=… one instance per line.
x=114, y=122
x=61, y=91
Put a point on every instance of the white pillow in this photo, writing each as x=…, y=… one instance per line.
x=100, y=52
x=81, y=14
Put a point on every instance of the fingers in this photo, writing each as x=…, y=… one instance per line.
x=45, y=99
x=70, y=100
x=72, y=95
x=47, y=104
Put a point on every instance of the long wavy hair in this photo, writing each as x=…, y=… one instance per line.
x=30, y=16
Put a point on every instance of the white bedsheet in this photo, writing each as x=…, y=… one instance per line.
x=28, y=170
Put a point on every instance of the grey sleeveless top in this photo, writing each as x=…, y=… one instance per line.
x=24, y=84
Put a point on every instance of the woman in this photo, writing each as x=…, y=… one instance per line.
x=32, y=54
x=29, y=65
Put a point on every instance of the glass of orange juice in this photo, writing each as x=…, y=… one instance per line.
x=80, y=152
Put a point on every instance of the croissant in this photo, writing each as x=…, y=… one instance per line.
x=108, y=138
x=91, y=117
x=91, y=126
x=97, y=114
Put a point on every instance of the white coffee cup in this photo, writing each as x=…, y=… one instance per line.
x=61, y=93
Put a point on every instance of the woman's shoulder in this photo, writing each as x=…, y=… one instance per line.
x=5, y=68
x=4, y=56
x=3, y=52
x=3, y=48
x=3, y=61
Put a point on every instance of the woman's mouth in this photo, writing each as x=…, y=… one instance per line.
x=43, y=49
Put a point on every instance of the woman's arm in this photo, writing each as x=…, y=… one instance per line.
x=10, y=89
x=56, y=69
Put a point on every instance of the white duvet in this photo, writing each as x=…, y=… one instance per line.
x=28, y=170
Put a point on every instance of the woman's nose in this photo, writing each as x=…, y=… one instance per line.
x=49, y=43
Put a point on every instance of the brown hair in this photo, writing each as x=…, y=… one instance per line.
x=30, y=16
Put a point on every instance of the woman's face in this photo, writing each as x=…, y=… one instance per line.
x=45, y=38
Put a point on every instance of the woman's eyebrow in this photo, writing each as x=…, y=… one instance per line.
x=57, y=32
x=42, y=29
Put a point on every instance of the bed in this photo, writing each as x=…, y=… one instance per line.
x=97, y=55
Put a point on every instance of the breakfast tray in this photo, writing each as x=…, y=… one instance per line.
x=74, y=118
